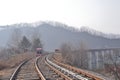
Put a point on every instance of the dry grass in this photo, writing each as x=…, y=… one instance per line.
x=15, y=60
x=6, y=73
x=58, y=57
x=8, y=66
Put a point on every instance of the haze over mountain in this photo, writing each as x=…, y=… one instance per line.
x=53, y=34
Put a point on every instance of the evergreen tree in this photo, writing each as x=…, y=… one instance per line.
x=36, y=44
x=25, y=44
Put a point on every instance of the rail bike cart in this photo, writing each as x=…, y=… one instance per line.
x=39, y=51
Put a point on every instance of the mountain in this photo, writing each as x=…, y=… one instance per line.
x=53, y=34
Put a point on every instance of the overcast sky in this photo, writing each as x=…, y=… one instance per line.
x=102, y=15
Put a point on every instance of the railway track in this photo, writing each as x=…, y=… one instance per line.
x=25, y=71
x=90, y=75
x=49, y=72
x=29, y=70
x=72, y=75
x=42, y=68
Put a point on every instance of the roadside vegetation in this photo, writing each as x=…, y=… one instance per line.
x=14, y=60
x=112, y=64
x=19, y=48
x=79, y=58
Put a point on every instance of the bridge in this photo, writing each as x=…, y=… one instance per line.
x=98, y=57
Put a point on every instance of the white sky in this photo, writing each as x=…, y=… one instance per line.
x=102, y=15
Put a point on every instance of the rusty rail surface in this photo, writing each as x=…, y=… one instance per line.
x=41, y=75
x=38, y=70
x=58, y=72
x=17, y=70
x=71, y=74
x=80, y=71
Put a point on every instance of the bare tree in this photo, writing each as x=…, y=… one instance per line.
x=66, y=50
x=14, y=40
x=112, y=63
x=75, y=56
x=83, y=55
x=80, y=57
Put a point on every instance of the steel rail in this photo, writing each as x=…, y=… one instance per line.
x=80, y=71
x=38, y=70
x=17, y=70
